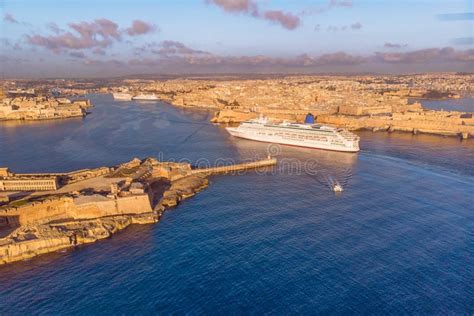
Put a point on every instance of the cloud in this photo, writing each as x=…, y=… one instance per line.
x=104, y=63
x=394, y=45
x=429, y=55
x=140, y=27
x=77, y=55
x=100, y=33
x=237, y=6
x=356, y=26
x=331, y=5
x=174, y=48
x=98, y=51
x=287, y=20
x=103, y=27
x=181, y=56
x=54, y=28
x=456, y=16
x=463, y=41
x=333, y=28
x=340, y=3
x=10, y=18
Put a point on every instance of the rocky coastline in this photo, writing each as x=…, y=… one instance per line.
x=85, y=211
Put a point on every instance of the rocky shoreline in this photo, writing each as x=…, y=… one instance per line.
x=70, y=216
x=32, y=240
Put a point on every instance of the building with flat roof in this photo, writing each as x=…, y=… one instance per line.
x=29, y=184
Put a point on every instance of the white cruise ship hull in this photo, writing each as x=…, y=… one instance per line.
x=145, y=97
x=122, y=96
x=234, y=131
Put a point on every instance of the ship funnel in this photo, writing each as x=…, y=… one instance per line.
x=309, y=119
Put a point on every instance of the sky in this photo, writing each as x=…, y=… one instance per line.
x=71, y=38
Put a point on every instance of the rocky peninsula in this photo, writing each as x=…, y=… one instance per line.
x=43, y=213
x=41, y=108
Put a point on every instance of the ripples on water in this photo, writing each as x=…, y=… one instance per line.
x=399, y=239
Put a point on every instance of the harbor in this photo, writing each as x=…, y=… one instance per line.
x=400, y=190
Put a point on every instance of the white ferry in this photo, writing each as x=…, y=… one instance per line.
x=303, y=135
x=122, y=96
x=146, y=97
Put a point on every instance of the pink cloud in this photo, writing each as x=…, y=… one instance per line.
x=287, y=20
x=249, y=7
x=140, y=27
x=10, y=18
x=100, y=33
x=236, y=6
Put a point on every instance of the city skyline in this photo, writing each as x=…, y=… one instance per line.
x=51, y=39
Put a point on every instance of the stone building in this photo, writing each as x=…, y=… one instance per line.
x=29, y=184
x=12, y=182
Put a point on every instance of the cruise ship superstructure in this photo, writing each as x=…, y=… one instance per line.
x=303, y=135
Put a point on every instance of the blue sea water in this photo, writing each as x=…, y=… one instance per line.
x=463, y=104
x=399, y=239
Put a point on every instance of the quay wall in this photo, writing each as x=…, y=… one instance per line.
x=413, y=124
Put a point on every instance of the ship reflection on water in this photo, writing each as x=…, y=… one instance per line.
x=325, y=166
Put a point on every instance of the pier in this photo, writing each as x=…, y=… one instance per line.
x=237, y=167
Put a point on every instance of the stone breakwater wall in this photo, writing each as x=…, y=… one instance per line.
x=237, y=167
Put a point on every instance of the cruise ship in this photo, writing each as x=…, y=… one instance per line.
x=146, y=97
x=303, y=135
x=122, y=96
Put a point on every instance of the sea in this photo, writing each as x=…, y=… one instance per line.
x=398, y=240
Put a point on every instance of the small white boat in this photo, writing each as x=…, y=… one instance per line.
x=337, y=188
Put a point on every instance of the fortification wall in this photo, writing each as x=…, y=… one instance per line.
x=65, y=208
x=135, y=204
x=39, y=212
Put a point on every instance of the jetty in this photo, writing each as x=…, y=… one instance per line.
x=269, y=161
